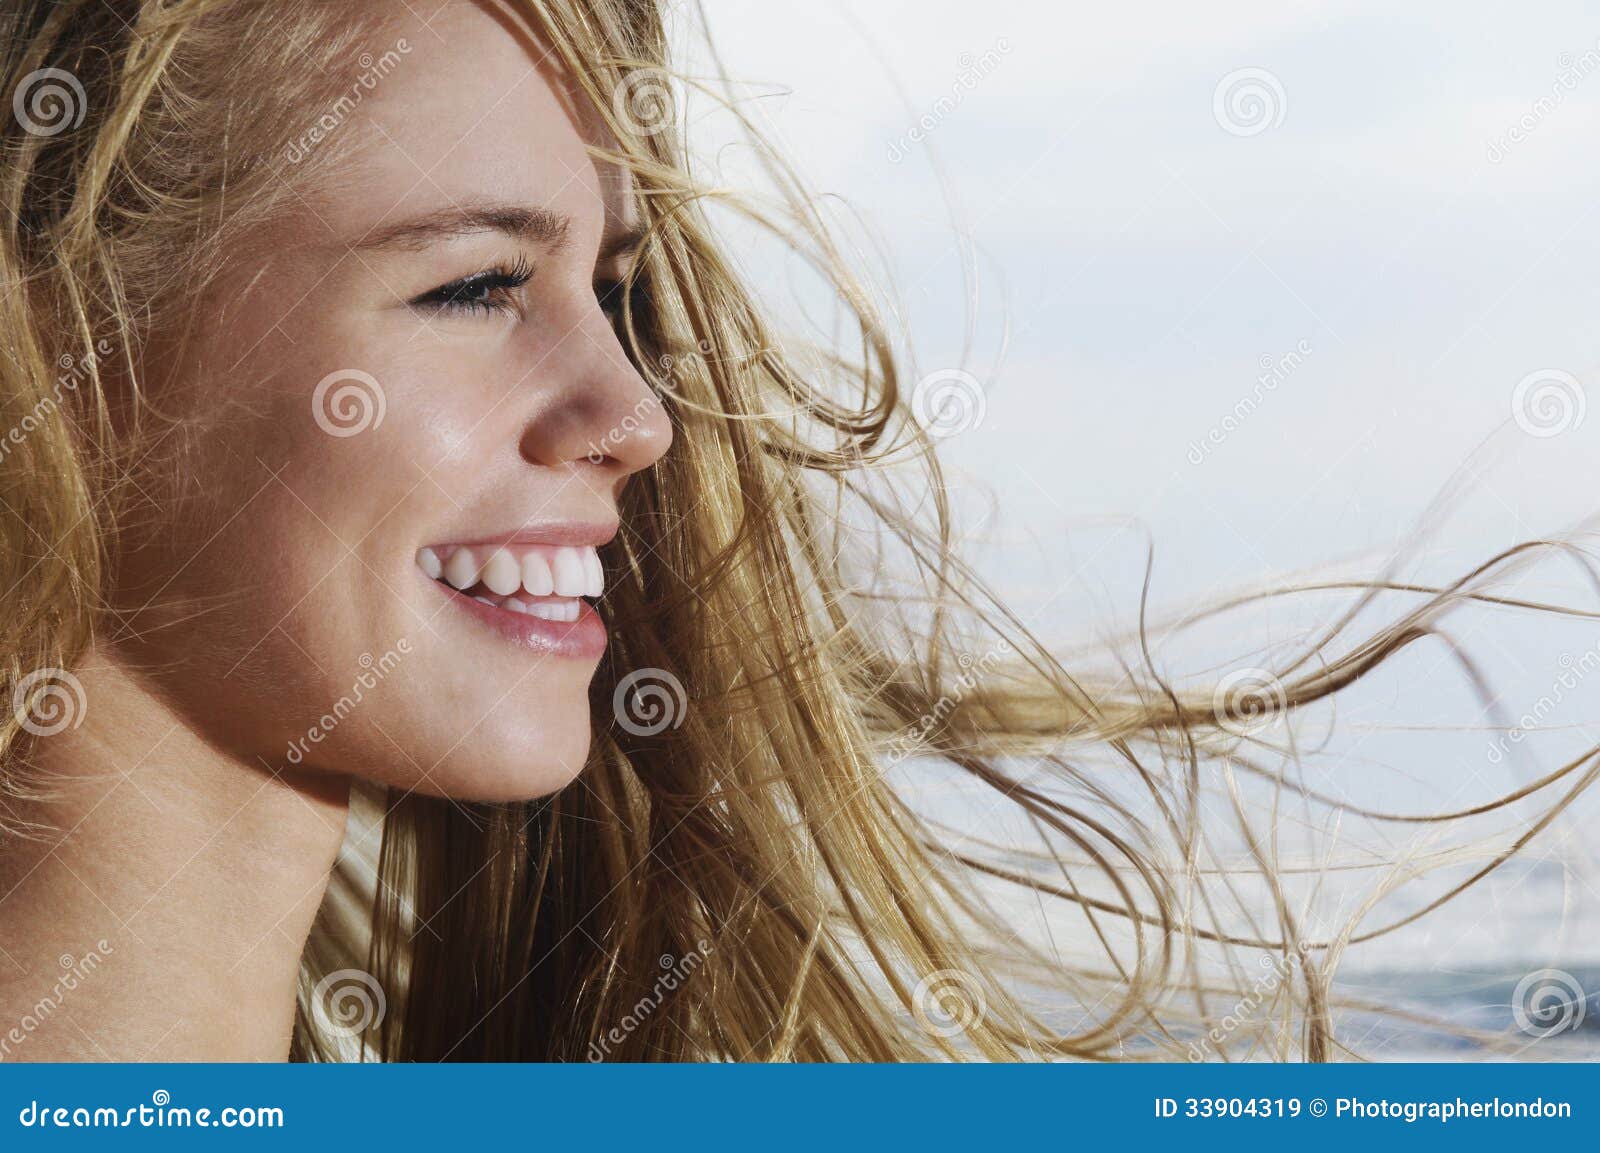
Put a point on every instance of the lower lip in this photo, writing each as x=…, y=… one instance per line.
x=582, y=639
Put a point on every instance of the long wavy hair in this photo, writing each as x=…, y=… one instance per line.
x=742, y=871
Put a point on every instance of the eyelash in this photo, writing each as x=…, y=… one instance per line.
x=499, y=283
x=610, y=293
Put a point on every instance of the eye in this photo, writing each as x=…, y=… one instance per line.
x=613, y=294
x=491, y=291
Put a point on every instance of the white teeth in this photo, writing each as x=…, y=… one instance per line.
x=554, y=610
x=566, y=565
x=462, y=569
x=565, y=611
x=541, y=570
x=536, y=576
x=502, y=574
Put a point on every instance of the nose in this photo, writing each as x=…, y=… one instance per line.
x=603, y=415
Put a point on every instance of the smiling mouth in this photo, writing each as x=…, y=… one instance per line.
x=547, y=582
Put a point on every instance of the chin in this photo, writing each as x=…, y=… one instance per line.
x=497, y=763
x=516, y=755
x=450, y=707
x=462, y=733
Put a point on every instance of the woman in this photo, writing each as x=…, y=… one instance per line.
x=397, y=460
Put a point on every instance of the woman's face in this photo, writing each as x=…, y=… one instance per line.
x=415, y=418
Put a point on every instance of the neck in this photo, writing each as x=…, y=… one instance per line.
x=157, y=907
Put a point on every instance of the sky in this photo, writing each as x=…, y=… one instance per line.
x=1139, y=262
x=1261, y=339
x=1252, y=284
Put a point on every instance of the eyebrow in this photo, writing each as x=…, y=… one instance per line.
x=532, y=224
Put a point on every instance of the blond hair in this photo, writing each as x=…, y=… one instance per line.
x=753, y=849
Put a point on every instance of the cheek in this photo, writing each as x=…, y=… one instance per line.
x=271, y=588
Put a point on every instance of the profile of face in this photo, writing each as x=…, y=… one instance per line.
x=411, y=418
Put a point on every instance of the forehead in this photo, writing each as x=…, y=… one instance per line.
x=470, y=106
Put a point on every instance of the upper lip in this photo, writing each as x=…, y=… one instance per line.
x=572, y=533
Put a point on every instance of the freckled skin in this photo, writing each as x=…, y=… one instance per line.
x=282, y=566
